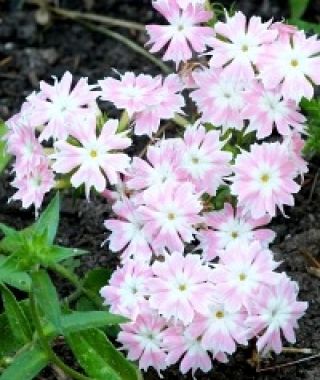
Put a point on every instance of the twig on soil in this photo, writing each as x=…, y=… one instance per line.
x=284, y=365
x=314, y=271
x=5, y=61
x=295, y=350
x=314, y=183
x=315, y=263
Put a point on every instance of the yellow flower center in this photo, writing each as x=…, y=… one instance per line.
x=219, y=314
x=171, y=216
x=265, y=178
x=182, y=287
x=242, y=277
x=93, y=153
x=294, y=63
x=245, y=48
x=234, y=234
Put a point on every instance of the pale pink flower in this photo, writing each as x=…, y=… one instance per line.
x=127, y=289
x=161, y=165
x=266, y=109
x=220, y=327
x=185, y=3
x=131, y=93
x=184, y=34
x=167, y=101
x=219, y=98
x=179, y=288
x=169, y=215
x=127, y=233
x=33, y=184
x=182, y=345
x=232, y=226
x=295, y=145
x=241, y=272
x=239, y=43
x=203, y=160
x=95, y=160
x=284, y=30
x=294, y=63
x=274, y=313
x=264, y=179
x=143, y=341
x=61, y=109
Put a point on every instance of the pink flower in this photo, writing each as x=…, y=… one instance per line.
x=160, y=165
x=295, y=145
x=61, y=109
x=274, y=313
x=94, y=160
x=284, y=30
x=127, y=289
x=203, y=160
x=181, y=344
x=220, y=328
x=179, y=287
x=184, y=34
x=241, y=272
x=233, y=226
x=238, y=44
x=292, y=62
x=33, y=184
x=167, y=102
x=266, y=109
x=127, y=232
x=219, y=98
x=185, y=3
x=264, y=179
x=169, y=214
x=143, y=340
x=131, y=93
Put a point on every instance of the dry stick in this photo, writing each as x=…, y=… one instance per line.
x=313, y=187
x=98, y=18
x=314, y=271
x=310, y=258
x=289, y=363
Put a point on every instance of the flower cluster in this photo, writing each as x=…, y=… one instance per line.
x=196, y=279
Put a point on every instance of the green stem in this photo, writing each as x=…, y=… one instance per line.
x=46, y=346
x=126, y=41
x=124, y=122
x=76, y=282
x=180, y=120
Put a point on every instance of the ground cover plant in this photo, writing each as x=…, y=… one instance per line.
x=191, y=211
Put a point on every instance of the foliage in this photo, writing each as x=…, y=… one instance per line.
x=312, y=110
x=29, y=326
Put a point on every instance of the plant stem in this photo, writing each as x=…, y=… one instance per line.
x=46, y=346
x=126, y=41
x=124, y=122
x=95, y=17
x=76, y=282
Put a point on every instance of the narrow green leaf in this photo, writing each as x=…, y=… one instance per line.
x=4, y=156
x=17, y=319
x=12, y=275
x=83, y=320
x=305, y=25
x=8, y=342
x=57, y=254
x=96, y=278
x=26, y=365
x=298, y=8
x=47, y=297
x=48, y=221
x=12, y=240
x=99, y=358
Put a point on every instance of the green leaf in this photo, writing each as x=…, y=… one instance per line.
x=298, y=8
x=8, y=342
x=99, y=358
x=96, y=278
x=56, y=253
x=46, y=297
x=4, y=156
x=26, y=365
x=83, y=320
x=48, y=221
x=305, y=25
x=12, y=241
x=12, y=275
x=17, y=319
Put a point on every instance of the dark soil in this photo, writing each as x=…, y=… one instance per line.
x=30, y=52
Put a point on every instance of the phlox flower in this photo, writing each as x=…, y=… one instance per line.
x=293, y=62
x=284, y=30
x=232, y=226
x=161, y=165
x=184, y=34
x=143, y=339
x=264, y=179
x=33, y=184
x=274, y=313
x=238, y=44
x=179, y=287
x=219, y=98
x=131, y=93
x=241, y=271
x=127, y=289
x=185, y=3
x=169, y=214
x=295, y=145
x=167, y=102
x=266, y=109
x=61, y=109
x=220, y=328
x=203, y=160
x=95, y=160
x=182, y=345
x=127, y=232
